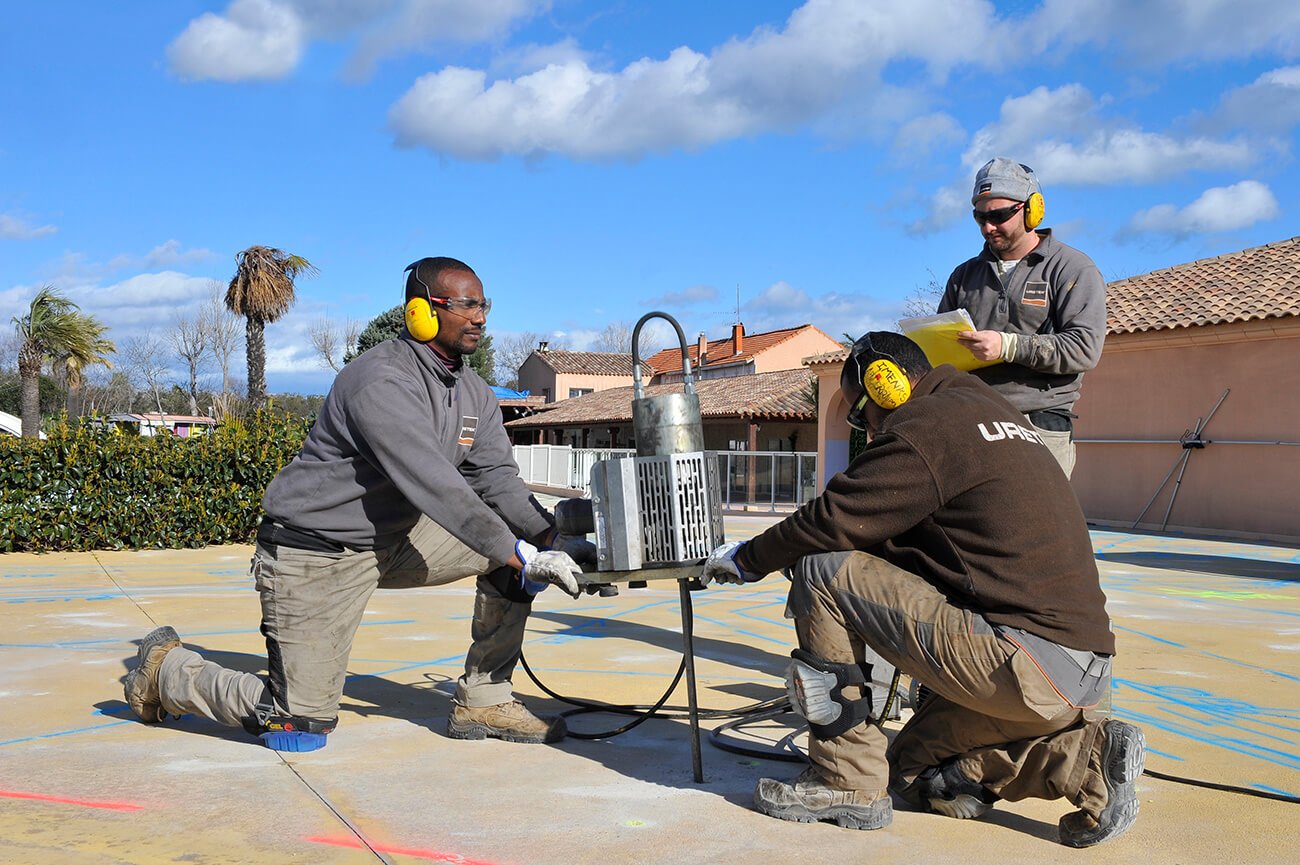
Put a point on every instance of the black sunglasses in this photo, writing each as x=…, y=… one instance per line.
x=998, y=215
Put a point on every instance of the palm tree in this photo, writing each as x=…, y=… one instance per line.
x=53, y=328
x=261, y=291
x=92, y=349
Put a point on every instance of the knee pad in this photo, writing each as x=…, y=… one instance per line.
x=288, y=732
x=816, y=690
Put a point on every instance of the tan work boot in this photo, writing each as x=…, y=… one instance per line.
x=510, y=722
x=808, y=799
x=141, y=684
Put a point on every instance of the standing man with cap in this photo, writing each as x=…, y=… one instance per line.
x=406, y=479
x=1037, y=304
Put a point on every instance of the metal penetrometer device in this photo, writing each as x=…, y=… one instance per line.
x=661, y=507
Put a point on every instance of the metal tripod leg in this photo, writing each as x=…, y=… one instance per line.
x=691, y=702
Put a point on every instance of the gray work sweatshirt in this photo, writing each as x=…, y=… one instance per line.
x=400, y=435
x=1055, y=301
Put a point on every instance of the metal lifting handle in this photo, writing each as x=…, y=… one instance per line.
x=687, y=378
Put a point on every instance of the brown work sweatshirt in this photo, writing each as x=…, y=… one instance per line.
x=957, y=489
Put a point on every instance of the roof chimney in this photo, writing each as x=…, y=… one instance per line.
x=543, y=347
x=703, y=350
x=738, y=336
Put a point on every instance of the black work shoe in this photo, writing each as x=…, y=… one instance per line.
x=808, y=799
x=510, y=722
x=950, y=793
x=1123, y=754
x=141, y=684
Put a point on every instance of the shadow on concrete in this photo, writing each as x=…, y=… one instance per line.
x=1230, y=566
x=725, y=651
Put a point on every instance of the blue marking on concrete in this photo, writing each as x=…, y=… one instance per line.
x=189, y=636
x=1165, y=754
x=1271, y=672
x=1152, y=637
x=724, y=625
x=1269, y=789
x=1237, y=746
x=64, y=733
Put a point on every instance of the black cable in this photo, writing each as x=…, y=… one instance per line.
x=1227, y=788
x=785, y=750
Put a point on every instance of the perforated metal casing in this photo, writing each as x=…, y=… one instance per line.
x=656, y=511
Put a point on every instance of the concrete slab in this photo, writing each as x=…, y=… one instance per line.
x=1209, y=665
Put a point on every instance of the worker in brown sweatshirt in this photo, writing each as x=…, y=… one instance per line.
x=954, y=549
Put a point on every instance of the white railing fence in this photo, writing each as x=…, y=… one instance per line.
x=749, y=478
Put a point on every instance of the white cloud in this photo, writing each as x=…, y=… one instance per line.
x=1270, y=103
x=784, y=305
x=1084, y=147
x=1158, y=31
x=1222, y=208
x=266, y=39
x=918, y=137
x=772, y=80
x=254, y=39
x=419, y=24
x=686, y=297
x=17, y=228
x=166, y=254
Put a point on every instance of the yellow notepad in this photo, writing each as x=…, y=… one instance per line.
x=937, y=337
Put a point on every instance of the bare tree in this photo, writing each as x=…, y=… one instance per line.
x=143, y=362
x=189, y=340
x=106, y=391
x=616, y=337
x=334, y=343
x=10, y=343
x=510, y=352
x=223, y=330
x=924, y=300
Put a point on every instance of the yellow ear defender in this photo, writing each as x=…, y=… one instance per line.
x=886, y=384
x=1033, y=211
x=421, y=319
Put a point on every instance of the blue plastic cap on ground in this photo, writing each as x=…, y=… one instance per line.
x=294, y=741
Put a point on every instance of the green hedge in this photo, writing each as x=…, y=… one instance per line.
x=86, y=488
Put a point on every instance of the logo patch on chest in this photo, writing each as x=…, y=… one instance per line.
x=468, y=429
x=1035, y=294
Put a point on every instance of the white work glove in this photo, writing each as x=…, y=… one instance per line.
x=544, y=567
x=721, y=566
x=579, y=548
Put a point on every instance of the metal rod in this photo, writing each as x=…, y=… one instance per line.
x=693, y=709
x=1181, y=459
x=1177, y=485
x=771, y=500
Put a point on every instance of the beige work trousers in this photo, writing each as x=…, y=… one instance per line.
x=993, y=709
x=312, y=604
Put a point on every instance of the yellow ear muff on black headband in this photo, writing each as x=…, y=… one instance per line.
x=421, y=319
x=1033, y=211
x=886, y=384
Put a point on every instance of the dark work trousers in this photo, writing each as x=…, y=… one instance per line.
x=993, y=709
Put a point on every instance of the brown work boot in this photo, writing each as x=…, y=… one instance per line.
x=141, y=684
x=510, y=722
x=808, y=799
x=1123, y=755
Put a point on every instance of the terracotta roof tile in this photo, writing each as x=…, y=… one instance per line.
x=1256, y=283
x=782, y=395
x=718, y=351
x=838, y=356
x=587, y=362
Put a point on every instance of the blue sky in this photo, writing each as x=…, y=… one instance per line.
x=596, y=160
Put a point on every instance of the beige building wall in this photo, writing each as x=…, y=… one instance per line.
x=790, y=353
x=833, y=428
x=539, y=379
x=1152, y=387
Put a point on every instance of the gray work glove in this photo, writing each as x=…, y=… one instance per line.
x=544, y=567
x=579, y=548
x=721, y=566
